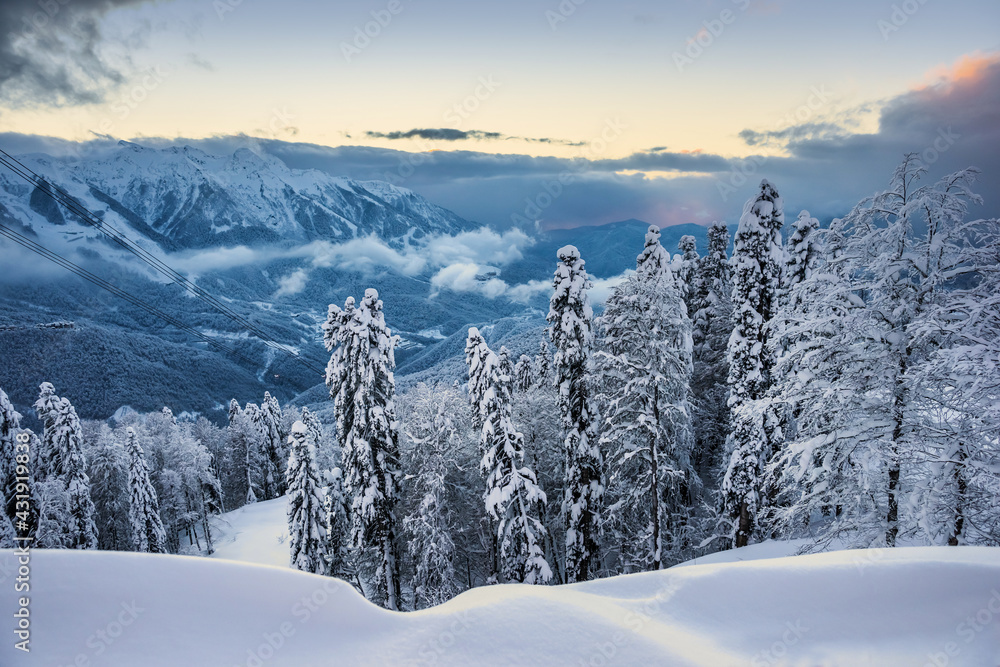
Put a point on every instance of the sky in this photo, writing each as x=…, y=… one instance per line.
x=554, y=112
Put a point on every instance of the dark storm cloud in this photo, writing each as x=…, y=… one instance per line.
x=50, y=52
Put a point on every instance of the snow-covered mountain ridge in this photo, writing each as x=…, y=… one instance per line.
x=183, y=198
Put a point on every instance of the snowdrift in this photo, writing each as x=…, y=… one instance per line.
x=909, y=606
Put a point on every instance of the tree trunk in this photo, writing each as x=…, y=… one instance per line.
x=654, y=484
x=654, y=498
x=745, y=527
x=209, y=547
x=892, y=516
x=898, y=406
x=959, y=525
x=560, y=578
x=391, y=572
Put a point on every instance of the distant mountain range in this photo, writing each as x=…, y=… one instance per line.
x=277, y=246
x=183, y=198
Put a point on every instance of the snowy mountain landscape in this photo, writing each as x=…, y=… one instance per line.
x=275, y=242
x=568, y=334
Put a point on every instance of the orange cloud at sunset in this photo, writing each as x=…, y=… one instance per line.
x=967, y=71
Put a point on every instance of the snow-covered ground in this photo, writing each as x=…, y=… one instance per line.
x=908, y=606
x=754, y=606
x=256, y=533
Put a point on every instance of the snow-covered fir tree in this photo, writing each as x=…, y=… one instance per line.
x=220, y=467
x=805, y=254
x=432, y=523
x=307, y=521
x=315, y=427
x=49, y=501
x=688, y=275
x=758, y=265
x=524, y=374
x=234, y=410
x=263, y=429
x=802, y=250
x=107, y=468
x=645, y=372
x=711, y=328
x=512, y=495
x=244, y=438
x=878, y=373
x=10, y=423
x=539, y=419
x=569, y=320
x=62, y=453
x=506, y=369
x=47, y=458
x=205, y=496
x=469, y=528
x=7, y=534
x=543, y=362
x=338, y=527
x=361, y=384
x=148, y=535
x=274, y=454
x=477, y=358
x=477, y=353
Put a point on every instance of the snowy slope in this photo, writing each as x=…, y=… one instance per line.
x=906, y=607
x=256, y=533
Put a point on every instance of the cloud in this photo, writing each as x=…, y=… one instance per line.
x=952, y=123
x=293, y=283
x=464, y=262
x=468, y=277
x=527, y=292
x=480, y=246
x=451, y=134
x=220, y=259
x=793, y=133
x=827, y=165
x=195, y=60
x=436, y=134
x=603, y=287
x=52, y=53
x=364, y=255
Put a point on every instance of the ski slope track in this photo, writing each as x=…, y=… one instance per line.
x=907, y=606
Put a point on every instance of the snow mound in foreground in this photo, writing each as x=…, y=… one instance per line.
x=907, y=606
